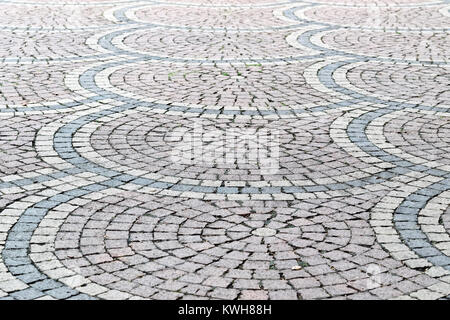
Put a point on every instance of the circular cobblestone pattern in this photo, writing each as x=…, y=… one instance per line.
x=224, y=149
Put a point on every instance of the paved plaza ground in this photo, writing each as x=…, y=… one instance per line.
x=224, y=149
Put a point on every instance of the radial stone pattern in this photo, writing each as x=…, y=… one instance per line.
x=126, y=161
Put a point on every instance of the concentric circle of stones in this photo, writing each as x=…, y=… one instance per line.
x=378, y=18
x=414, y=84
x=52, y=17
x=413, y=46
x=37, y=85
x=245, y=86
x=224, y=3
x=18, y=155
x=413, y=230
x=228, y=18
x=155, y=255
x=421, y=137
x=202, y=45
x=155, y=146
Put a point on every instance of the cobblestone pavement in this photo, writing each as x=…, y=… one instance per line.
x=97, y=97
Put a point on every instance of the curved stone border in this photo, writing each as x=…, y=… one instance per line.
x=79, y=102
x=343, y=85
x=393, y=222
x=27, y=213
x=429, y=221
x=375, y=134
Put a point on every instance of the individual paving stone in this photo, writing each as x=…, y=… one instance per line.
x=264, y=232
x=283, y=295
x=246, y=284
x=338, y=290
x=425, y=294
x=27, y=294
x=227, y=294
x=254, y=295
x=386, y=292
x=275, y=284
x=302, y=283
x=47, y=284
x=407, y=286
x=217, y=282
x=81, y=297
x=12, y=285
x=61, y=293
